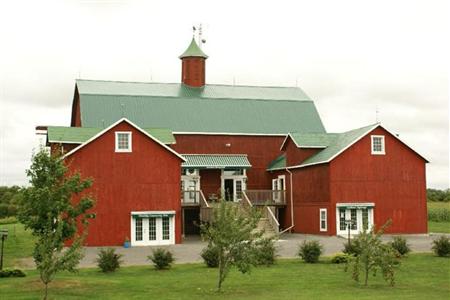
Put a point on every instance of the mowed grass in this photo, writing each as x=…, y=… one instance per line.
x=421, y=276
x=19, y=244
x=438, y=227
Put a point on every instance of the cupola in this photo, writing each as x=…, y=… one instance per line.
x=193, y=65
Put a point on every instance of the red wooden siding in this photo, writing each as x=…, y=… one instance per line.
x=295, y=155
x=147, y=179
x=210, y=182
x=261, y=150
x=193, y=71
x=395, y=182
x=311, y=192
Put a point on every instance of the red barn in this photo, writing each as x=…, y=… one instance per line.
x=161, y=153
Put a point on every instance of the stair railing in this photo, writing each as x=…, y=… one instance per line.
x=272, y=219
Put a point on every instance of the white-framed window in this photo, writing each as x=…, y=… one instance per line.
x=123, y=141
x=323, y=219
x=377, y=144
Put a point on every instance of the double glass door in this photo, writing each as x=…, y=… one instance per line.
x=148, y=231
x=361, y=218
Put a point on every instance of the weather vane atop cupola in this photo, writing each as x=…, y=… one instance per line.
x=200, y=40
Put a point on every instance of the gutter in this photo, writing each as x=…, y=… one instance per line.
x=292, y=204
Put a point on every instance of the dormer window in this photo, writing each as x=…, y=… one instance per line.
x=378, y=145
x=123, y=141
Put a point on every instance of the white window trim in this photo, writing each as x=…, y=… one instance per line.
x=282, y=188
x=383, y=151
x=320, y=219
x=130, y=139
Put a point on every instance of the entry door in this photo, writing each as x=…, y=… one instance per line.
x=152, y=231
x=362, y=218
x=229, y=189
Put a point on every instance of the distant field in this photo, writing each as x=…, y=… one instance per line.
x=19, y=244
x=437, y=213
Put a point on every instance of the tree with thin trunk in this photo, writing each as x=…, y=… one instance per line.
x=371, y=255
x=49, y=210
x=233, y=233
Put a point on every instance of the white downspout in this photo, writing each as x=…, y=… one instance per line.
x=292, y=203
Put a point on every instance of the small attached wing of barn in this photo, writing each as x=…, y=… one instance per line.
x=208, y=109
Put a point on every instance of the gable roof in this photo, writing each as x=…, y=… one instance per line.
x=193, y=50
x=208, y=109
x=93, y=138
x=79, y=135
x=333, y=144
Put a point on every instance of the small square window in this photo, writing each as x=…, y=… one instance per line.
x=378, y=144
x=123, y=141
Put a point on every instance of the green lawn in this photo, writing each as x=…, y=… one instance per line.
x=19, y=244
x=421, y=276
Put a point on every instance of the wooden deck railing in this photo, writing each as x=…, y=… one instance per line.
x=190, y=198
x=272, y=219
x=206, y=211
x=266, y=197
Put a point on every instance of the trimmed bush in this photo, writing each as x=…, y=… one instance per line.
x=11, y=273
x=161, y=258
x=340, y=258
x=108, y=260
x=441, y=246
x=310, y=251
x=352, y=248
x=8, y=220
x=400, y=245
x=210, y=255
x=266, y=252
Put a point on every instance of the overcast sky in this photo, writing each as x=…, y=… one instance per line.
x=351, y=57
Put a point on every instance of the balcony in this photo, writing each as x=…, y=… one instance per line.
x=190, y=198
x=266, y=197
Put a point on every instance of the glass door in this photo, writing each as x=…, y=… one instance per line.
x=147, y=231
x=357, y=219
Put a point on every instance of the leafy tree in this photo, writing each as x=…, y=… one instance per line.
x=373, y=256
x=233, y=234
x=438, y=195
x=48, y=210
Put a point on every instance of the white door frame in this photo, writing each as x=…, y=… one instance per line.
x=359, y=223
x=242, y=178
x=145, y=228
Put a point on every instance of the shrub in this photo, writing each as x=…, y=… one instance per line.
x=8, y=220
x=310, y=251
x=439, y=214
x=441, y=246
x=340, y=258
x=352, y=248
x=400, y=245
x=161, y=258
x=12, y=273
x=266, y=252
x=108, y=260
x=210, y=255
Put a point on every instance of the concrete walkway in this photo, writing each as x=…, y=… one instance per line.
x=189, y=251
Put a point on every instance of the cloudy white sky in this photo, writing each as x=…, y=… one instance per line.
x=351, y=57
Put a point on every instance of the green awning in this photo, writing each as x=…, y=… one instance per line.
x=355, y=205
x=216, y=161
x=153, y=214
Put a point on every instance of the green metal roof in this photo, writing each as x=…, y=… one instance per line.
x=193, y=51
x=79, y=135
x=313, y=140
x=335, y=143
x=278, y=163
x=209, y=109
x=215, y=161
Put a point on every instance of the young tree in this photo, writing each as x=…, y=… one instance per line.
x=372, y=255
x=47, y=209
x=233, y=233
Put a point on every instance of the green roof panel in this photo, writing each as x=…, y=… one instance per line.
x=336, y=143
x=278, y=163
x=215, y=161
x=210, y=109
x=79, y=135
